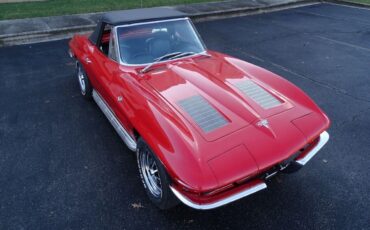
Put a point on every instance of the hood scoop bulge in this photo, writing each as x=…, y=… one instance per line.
x=257, y=94
x=203, y=114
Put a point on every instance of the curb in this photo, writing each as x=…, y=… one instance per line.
x=68, y=32
x=219, y=14
x=348, y=3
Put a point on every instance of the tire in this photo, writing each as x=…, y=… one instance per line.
x=83, y=82
x=154, y=177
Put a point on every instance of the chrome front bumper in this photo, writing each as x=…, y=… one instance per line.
x=219, y=203
x=324, y=137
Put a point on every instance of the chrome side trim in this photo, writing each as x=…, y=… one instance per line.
x=324, y=138
x=131, y=144
x=217, y=204
x=70, y=53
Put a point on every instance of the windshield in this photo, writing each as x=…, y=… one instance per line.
x=143, y=43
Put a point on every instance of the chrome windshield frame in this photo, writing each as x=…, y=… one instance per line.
x=153, y=22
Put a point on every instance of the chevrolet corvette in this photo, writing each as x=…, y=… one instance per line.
x=207, y=128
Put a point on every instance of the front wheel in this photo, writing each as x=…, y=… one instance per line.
x=83, y=81
x=154, y=177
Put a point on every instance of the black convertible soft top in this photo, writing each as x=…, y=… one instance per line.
x=141, y=15
x=134, y=16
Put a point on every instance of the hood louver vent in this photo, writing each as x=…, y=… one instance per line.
x=204, y=115
x=257, y=94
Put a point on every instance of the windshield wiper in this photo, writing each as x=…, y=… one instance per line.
x=161, y=58
x=183, y=54
x=170, y=56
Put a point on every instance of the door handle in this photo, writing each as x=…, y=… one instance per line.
x=87, y=60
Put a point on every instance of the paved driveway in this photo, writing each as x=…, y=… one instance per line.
x=62, y=166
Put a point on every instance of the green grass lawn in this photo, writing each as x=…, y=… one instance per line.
x=361, y=1
x=62, y=7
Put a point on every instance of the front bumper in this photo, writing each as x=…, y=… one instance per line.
x=324, y=138
x=215, y=204
x=253, y=186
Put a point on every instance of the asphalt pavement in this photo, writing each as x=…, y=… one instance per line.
x=62, y=166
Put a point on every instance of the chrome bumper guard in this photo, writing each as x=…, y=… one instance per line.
x=324, y=138
x=217, y=204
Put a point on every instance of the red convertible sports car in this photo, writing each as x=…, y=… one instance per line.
x=207, y=128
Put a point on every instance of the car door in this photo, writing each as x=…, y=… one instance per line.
x=99, y=67
x=114, y=78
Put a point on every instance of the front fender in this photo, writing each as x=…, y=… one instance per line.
x=174, y=142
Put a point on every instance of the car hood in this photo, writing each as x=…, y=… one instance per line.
x=247, y=118
x=224, y=95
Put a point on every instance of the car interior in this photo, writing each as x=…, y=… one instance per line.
x=104, y=43
x=145, y=44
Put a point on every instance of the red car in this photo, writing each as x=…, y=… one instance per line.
x=207, y=128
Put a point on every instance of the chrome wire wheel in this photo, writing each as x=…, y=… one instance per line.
x=150, y=173
x=154, y=177
x=81, y=80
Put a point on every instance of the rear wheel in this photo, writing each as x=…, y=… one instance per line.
x=154, y=177
x=83, y=81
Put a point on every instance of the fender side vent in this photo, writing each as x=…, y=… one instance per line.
x=257, y=94
x=203, y=114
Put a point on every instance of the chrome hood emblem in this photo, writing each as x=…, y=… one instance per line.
x=263, y=123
